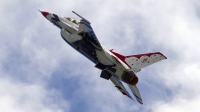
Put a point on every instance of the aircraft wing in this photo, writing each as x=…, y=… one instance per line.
x=136, y=62
x=136, y=93
x=84, y=41
x=85, y=29
x=118, y=84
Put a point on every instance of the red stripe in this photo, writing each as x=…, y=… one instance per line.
x=121, y=57
x=148, y=54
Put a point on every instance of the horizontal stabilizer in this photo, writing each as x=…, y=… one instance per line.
x=136, y=93
x=118, y=84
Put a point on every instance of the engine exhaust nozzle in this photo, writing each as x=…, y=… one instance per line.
x=129, y=77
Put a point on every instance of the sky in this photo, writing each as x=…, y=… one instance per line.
x=39, y=72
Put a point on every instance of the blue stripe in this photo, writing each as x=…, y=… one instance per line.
x=88, y=25
x=57, y=25
x=137, y=97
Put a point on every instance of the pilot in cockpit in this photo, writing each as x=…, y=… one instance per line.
x=72, y=20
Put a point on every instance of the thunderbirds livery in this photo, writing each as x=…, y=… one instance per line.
x=114, y=66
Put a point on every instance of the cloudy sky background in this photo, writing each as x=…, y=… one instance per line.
x=39, y=72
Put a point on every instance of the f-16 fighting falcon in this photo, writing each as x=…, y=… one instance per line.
x=114, y=66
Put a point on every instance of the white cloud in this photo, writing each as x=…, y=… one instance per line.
x=32, y=50
x=22, y=97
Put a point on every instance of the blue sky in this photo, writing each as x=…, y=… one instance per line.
x=39, y=72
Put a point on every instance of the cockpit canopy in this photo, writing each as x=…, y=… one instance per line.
x=72, y=20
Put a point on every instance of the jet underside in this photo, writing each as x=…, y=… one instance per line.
x=88, y=46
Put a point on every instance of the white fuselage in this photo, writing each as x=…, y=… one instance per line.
x=69, y=31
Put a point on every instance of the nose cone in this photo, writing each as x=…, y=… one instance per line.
x=44, y=13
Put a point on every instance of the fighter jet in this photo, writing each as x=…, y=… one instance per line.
x=114, y=66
